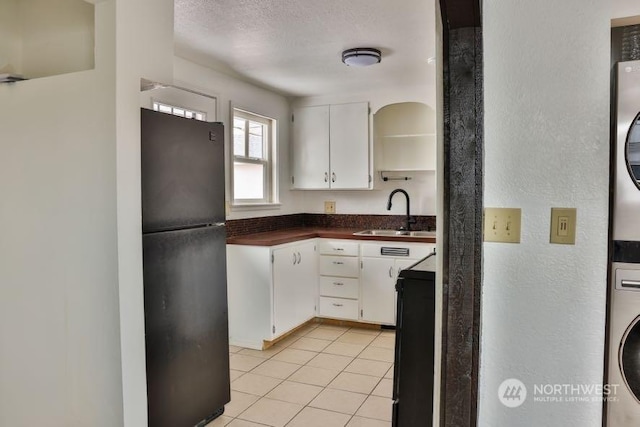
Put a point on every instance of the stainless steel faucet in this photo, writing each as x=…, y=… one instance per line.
x=409, y=220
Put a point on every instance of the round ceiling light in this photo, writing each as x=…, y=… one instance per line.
x=361, y=56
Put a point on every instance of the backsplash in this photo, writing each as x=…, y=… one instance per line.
x=368, y=221
x=241, y=227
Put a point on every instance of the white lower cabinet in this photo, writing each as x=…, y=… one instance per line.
x=381, y=262
x=271, y=290
x=294, y=286
x=378, y=290
x=339, y=308
x=339, y=283
x=340, y=287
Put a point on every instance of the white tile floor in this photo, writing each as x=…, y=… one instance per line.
x=322, y=376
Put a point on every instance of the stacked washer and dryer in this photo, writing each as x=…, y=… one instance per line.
x=624, y=317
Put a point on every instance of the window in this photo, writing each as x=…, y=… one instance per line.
x=179, y=111
x=253, y=176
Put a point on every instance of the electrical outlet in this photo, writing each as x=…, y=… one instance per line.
x=329, y=207
x=502, y=225
x=563, y=226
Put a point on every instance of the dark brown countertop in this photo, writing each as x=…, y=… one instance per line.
x=272, y=238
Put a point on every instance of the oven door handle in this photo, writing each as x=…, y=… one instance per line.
x=635, y=284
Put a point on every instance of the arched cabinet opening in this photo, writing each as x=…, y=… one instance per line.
x=405, y=137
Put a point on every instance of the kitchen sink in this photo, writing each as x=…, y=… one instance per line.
x=395, y=233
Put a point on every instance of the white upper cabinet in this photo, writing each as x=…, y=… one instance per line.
x=405, y=137
x=311, y=148
x=349, y=145
x=331, y=147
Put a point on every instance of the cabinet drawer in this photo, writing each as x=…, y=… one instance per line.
x=339, y=308
x=338, y=266
x=340, y=287
x=337, y=247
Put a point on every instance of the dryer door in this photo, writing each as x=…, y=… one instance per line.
x=632, y=151
x=630, y=358
x=626, y=210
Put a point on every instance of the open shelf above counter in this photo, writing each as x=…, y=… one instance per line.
x=405, y=138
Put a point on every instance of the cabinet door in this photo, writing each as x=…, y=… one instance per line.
x=378, y=280
x=285, y=294
x=401, y=264
x=295, y=286
x=349, y=154
x=307, y=286
x=311, y=148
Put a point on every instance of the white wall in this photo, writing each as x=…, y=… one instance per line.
x=144, y=43
x=41, y=38
x=59, y=325
x=421, y=189
x=437, y=374
x=624, y=8
x=10, y=38
x=546, y=87
x=254, y=99
x=57, y=37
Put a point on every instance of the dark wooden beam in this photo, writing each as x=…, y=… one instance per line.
x=462, y=205
x=460, y=13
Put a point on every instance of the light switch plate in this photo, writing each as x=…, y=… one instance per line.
x=502, y=225
x=563, y=226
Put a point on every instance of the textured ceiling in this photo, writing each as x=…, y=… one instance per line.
x=294, y=46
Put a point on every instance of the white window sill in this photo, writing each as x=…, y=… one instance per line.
x=255, y=207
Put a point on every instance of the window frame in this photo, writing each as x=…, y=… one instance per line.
x=268, y=160
x=157, y=105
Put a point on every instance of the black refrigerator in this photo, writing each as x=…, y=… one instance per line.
x=184, y=264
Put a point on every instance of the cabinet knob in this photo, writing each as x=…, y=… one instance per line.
x=326, y=177
x=338, y=249
x=337, y=305
x=333, y=177
x=338, y=283
x=338, y=262
x=391, y=272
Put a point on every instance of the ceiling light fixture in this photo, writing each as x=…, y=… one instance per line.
x=361, y=56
